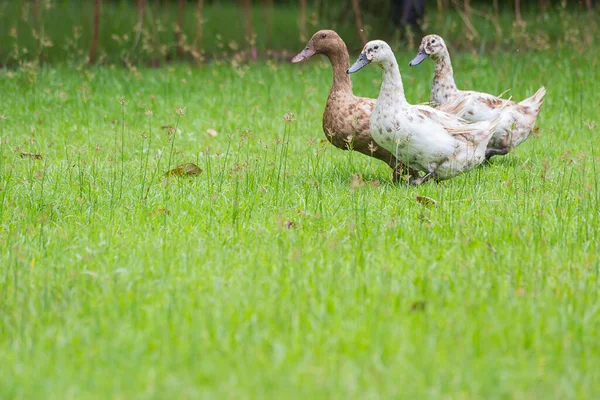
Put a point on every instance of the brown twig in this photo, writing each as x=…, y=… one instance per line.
x=494, y=19
x=359, y=21
x=247, y=6
x=467, y=6
x=318, y=9
x=302, y=21
x=138, y=29
x=589, y=6
x=267, y=6
x=96, y=35
x=440, y=12
x=199, y=14
x=518, y=17
x=36, y=26
x=465, y=19
x=179, y=28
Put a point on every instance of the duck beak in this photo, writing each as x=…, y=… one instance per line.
x=359, y=64
x=421, y=55
x=308, y=52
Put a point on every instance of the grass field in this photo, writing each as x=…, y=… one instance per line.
x=289, y=268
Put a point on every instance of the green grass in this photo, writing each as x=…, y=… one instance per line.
x=118, y=283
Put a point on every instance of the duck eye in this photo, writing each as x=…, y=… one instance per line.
x=324, y=35
x=376, y=47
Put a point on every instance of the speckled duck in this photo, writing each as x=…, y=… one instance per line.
x=346, y=118
x=476, y=106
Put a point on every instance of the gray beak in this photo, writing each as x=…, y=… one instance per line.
x=360, y=63
x=421, y=55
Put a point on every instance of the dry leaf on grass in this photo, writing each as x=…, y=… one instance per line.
x=31, y=156
x=357, y=181
x=428, y=201
x=170, y=129
x=418, y=306
x=161, y=211
x=186, y=169
x=289, y=224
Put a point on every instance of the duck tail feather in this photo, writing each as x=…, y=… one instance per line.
x=535, y=102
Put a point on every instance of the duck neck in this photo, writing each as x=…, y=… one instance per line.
x=340, y=62
x=443, y=79
x=392, y=90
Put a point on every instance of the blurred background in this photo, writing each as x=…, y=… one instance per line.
x=158, y=32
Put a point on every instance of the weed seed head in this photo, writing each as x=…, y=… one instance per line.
x=372, y=147
x=289, y=117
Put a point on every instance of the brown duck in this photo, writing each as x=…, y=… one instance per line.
x=346, y=118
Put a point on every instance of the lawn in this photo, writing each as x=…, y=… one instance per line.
x=289, y=268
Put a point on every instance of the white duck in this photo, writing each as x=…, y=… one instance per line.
x=440, y=144
x=518, y=118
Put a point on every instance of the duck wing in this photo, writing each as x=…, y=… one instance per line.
x=458, y=127
x=477, y=106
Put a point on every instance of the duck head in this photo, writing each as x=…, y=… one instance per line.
x=323, y=42
x=376, y=51
x=431, y=46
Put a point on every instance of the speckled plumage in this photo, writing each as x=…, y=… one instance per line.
x=346, y=119
x=516, y=119
x=437, y=143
